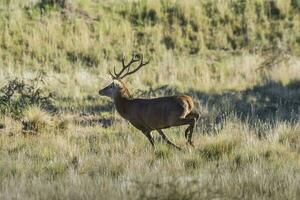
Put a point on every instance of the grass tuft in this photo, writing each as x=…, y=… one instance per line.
x=219, y=146
x=193, y=162
x=162, y=151
x=36, y=120
x=61, y=123
x=291, y=139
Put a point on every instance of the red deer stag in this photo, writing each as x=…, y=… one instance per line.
x=150, y=114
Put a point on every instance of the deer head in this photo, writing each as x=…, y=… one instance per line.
x=117, y=87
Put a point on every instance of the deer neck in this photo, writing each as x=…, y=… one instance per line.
x=122, y=101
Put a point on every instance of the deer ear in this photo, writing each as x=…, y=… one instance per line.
x=117, y=83
x=114, y=83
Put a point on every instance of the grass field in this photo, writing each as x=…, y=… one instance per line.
x=60, y=140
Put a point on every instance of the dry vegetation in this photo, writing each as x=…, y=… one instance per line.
x=60, y=140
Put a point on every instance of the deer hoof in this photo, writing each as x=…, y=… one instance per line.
x=191, y=143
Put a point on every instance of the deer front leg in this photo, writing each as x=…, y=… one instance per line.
x=149, y=137
x=167, y=140
x=146, y=131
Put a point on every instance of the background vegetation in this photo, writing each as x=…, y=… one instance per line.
x=238, y=58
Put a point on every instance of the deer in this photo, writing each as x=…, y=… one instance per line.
x=152, y=114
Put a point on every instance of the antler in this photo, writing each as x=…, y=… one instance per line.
x=134, y=59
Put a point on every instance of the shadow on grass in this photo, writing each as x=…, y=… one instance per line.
x=269, y=102
x=90, y=115
x=88, y=106
x=89, y=112
x=94, y=120
x=266, y=103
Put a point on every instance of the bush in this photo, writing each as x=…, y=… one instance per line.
x=17, y=95
x=44, y=4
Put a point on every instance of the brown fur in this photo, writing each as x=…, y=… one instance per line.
x=153, y=114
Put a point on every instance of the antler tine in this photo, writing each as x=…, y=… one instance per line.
x=114, y=75
x=117, y=75
x=111, y=74
x=136, y=69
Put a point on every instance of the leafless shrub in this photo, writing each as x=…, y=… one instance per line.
x=17, y=95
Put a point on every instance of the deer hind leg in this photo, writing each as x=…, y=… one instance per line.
x=186, y=132
x=167, y=140
x=193, y=116
x=186, y=121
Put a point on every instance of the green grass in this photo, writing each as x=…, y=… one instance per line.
x=60, y=140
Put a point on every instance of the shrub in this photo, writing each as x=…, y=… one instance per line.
x=169, y=42
x=17, y=95
x=45, y=4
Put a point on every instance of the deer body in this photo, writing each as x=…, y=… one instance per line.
x=153, y=114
